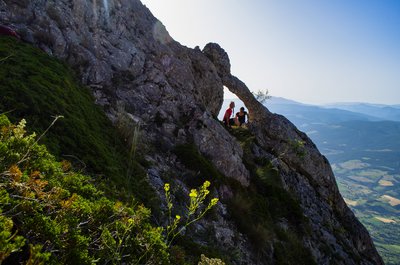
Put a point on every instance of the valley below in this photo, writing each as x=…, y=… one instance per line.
x=362, y=143
x=368, y=177
x=364, y=152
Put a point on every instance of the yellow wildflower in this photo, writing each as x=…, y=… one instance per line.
x=166, y=187
x=193, y=193
x=206, y=184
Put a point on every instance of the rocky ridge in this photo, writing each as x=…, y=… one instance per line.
x=134, y=67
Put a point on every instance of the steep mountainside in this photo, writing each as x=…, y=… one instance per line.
x=279, y=200
x=365, y=159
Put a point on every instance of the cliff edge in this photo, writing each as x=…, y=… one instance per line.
x=173, y=93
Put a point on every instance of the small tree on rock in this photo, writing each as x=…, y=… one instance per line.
x=262, y=96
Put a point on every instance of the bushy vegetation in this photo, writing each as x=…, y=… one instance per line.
x=53, y=215
x=72, y=212
x=50, y=214
x=37, y=87
x=195, y=210
x=86, y=208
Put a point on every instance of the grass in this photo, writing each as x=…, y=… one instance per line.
x=38, y=87
x=50, y=214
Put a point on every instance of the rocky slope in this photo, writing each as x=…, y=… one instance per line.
x=173, y=93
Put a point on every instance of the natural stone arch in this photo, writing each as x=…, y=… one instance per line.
x=275, y=133
x=220, y=59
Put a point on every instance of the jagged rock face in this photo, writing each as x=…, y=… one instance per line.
x=133, y=66
x=308, y=175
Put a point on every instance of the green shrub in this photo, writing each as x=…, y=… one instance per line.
x=298, y=147
x=9, y=242
x=195, y=210
x=63, y=217
x=38, y=87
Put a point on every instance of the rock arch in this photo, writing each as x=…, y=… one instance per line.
x=220, y=59
x=277, y=134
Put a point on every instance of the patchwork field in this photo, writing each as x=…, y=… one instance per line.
x=364, y=151
x=374, y=196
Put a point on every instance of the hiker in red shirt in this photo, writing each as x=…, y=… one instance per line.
x=228, y=121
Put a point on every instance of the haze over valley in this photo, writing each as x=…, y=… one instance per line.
x=362, y=143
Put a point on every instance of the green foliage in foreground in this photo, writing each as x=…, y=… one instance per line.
x=53, y=215
x=37, y=87
x=50, y=214
x=195, y=210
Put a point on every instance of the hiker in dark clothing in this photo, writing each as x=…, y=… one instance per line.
x=241, y=116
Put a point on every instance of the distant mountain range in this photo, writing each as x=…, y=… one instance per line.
x=343, y=130
x=385, y=112
x=336, y=111
x=362, y=143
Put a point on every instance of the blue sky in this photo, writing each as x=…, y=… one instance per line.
x=312, y=51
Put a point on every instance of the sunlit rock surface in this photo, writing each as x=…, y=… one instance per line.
x=174, y=93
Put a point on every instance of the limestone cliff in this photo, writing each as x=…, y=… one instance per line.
x=134, y=67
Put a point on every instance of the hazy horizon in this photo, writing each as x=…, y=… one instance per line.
x=229, y=95
x=314, y=52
